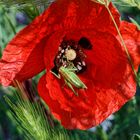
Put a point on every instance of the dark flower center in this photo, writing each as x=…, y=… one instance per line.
x=70, y=52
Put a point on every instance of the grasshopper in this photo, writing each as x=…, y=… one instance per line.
x=71, y=79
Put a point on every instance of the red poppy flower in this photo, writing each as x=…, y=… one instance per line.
x=80, y=32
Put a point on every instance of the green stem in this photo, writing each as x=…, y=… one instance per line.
x=9, y=21
x=123, y=43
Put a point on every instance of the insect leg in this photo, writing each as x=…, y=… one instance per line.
x=58, y=76
x=70, y=86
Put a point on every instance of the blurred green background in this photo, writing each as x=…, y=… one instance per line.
x=123, y=125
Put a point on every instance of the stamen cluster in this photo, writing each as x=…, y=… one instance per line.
x=76, y=56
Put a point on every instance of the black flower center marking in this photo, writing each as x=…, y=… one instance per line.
x=85, y=43
x=70, y=52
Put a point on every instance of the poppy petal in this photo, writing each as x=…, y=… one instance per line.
x=21, y=69
x=131, y=36
x=23, y=56
x=82, y=14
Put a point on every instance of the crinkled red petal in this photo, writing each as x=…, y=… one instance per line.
x=23, y=56
x=69, y=119
x=82, y=14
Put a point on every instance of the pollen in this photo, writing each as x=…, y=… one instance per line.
x=70, y=54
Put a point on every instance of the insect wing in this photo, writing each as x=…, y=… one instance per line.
x=75, y=80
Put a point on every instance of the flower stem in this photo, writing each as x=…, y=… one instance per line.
x=122, y=40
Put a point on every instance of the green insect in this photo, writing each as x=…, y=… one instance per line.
x=71, y=79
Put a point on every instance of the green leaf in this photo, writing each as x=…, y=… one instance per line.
x=136, y=137
x=130, y=3
x=138, y=79
x=31, y=8
x=22, y=3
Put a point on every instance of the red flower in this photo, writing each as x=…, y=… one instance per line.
x=85, y=29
